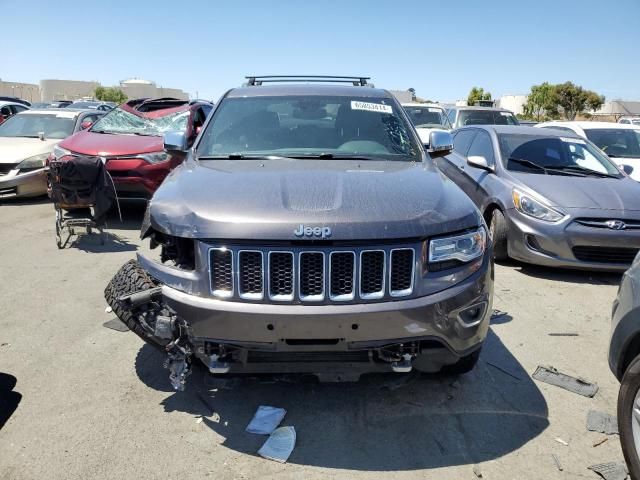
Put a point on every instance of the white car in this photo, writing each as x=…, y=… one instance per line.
x=9, y=109
x=427, y=117
x=629, y=121
x=27, y=139
x=621, y=142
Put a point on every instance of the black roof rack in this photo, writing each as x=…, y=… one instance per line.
x=254, y=80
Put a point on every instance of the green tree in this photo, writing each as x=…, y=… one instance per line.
x=572, y=99
x=476, y=94
x=110, y=94
x=541, y=102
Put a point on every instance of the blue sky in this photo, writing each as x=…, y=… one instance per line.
x=441, y=49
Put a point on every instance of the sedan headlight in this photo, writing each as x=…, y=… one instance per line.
x=464, y=248
x=535, y=208
x=33, y=163
x=155, y=157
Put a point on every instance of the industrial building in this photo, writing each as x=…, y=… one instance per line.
x=49, y=90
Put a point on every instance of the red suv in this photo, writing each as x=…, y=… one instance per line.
x=130, y=139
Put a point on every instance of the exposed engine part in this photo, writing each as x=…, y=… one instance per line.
x=176, y=251
x=165, y=326
x=179, y=364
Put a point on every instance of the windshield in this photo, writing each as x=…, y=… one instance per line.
x=534, y=154
x=308, y=126
x=427, y=117
x=30, y=125
x=119, y=121
x=616, y=142
x=486, y=117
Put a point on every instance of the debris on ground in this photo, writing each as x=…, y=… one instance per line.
x=556, y=460
x=279, y=445
x=610, y=471
x=602, y=422
x=477, y=472
x=5, y=344
x=597, y=444
x=497, y=314
x=504, y=370
x=108, y=310
x=266, y=420
x=564, y=334
x=552, y=376
x=559, y=440
x=199, y=420
x=116, y=324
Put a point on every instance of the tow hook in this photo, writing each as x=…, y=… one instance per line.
x=179, y=364
x=216, y=366
x=404, y=365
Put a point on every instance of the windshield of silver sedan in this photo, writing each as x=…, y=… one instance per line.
x=31, y=125
x=325, y=127
x=120, y=122
x=554, y=156
x=427, y=117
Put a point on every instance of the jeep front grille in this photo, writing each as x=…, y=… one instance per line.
x=322, y=275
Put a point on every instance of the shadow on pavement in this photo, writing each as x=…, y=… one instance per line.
x=92, y=243
x=570, y=276
x=9, y=399
x=384, y=422
x=132, y=213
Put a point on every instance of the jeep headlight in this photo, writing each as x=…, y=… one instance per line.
x=33, y=163
x=155, y=157
x=60, y=152
x=535, y=208
x=464, y=248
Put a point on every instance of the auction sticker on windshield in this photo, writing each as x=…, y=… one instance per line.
x=371, y=107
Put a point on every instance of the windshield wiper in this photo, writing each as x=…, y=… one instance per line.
x=561, y=169
x=102, y=131
x=241, y=156
x=586, y=171
x=334, y=156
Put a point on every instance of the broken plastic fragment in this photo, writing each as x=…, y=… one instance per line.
x=602, y=422
x=279, y=445
x=108, y=310
x=576, y=385
x=561, y=441
x=266, y=420
x=610, y=471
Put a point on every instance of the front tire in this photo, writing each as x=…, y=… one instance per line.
x=629, y=416
x=131, y=278
x=498, y=230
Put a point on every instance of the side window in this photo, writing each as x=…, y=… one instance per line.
x=452, y=117
x=207, y=110
x=18, y=108
x=462, y=140
x=483, y=146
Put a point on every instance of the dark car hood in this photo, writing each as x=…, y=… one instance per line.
x=104, y=144
x=268, y=200
x=584, y=192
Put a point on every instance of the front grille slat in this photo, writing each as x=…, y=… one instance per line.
x=401, y=272
x=221, y=271
x=342, y=273
x=311, y=276
x=372, y=272
x=281, y=275
x=320, y=274
x=250, y=274
x=605, y=254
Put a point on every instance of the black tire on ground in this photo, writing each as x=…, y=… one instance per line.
x=498, y=229
x=131, y=278
x=464, y=365
x=626, y=398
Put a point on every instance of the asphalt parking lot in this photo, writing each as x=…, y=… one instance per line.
x=96, y=403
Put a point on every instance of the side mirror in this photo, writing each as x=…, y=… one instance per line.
x=440, y=143
x=175, y=142
x=628, y=169
x=480, y=162
x=86, y=124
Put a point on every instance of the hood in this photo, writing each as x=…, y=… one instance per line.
x=104, y=144
x=16, y=149
x=589, y=192
x=268, y=200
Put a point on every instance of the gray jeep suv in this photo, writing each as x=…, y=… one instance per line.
x=309, y=231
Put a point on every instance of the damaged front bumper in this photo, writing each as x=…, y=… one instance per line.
x=17, y=184
x=335, y=342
